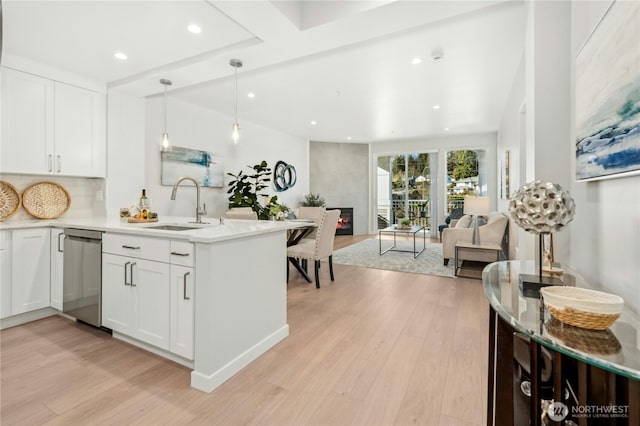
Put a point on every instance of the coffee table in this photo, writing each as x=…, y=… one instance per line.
x=398, y=230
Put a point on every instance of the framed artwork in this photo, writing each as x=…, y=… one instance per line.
x=607, y=96
x=203, y=166
x=504, y=176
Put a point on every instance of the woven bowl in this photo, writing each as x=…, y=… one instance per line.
x=581, y=307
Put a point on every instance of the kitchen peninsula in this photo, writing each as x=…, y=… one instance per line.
x=227, y=285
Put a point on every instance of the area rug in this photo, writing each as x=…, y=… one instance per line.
x=367, y=253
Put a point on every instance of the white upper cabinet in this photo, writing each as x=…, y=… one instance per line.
x=50, y=127
x=79, y=131
x=27, y=123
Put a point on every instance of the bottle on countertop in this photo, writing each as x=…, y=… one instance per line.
x=143, y=205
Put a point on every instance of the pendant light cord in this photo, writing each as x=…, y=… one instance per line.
x=236, y=95
x=165, y=108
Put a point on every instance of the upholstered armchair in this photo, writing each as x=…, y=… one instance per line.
x=456, y=213
x=493, y=232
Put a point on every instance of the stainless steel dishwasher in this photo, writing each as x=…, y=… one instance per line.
x=82, y=276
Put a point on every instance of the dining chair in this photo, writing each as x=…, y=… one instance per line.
x=311, y=213
x=241, y=213
x=319, y=248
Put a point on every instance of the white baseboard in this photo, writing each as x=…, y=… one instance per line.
x=150, y=348
x=26, y=317
x=207, y=383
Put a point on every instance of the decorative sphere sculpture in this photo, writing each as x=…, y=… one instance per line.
x=541, y=207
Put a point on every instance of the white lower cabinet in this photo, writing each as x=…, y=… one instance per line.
x=57, y=263
x=148, y=290
x=135, y=298
x=30, y=269
x=5, y=274
x=182, y=302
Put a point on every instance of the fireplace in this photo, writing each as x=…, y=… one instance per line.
x=345, y=221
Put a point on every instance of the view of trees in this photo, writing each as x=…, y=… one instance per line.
x=462, y=164
x=417, y=165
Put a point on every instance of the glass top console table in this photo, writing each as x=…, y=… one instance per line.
x=589, y=365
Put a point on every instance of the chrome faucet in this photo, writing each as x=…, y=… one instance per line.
x=199, y=211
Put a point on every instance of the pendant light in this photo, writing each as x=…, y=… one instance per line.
x=235, y=130
x=165, y=136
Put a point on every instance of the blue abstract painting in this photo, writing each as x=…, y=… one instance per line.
x=608, y=96
x=200, y=165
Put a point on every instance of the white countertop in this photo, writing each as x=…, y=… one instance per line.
x=205, y=233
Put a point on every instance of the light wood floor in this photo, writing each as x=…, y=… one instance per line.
x=372, y=348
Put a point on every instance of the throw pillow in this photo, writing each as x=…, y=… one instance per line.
x=464, y=221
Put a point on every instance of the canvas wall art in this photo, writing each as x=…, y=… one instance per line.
x=504, y=177
x=203, y=166
x=608, y=96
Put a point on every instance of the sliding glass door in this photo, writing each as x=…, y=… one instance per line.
x=404, y=189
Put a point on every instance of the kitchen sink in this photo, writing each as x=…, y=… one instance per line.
x=173, y=227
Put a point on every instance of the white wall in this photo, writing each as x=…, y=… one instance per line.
x=509, y=138
x=605, y=244
x=125, y=151
x=439, y=145
x=548, y=106
x=194, y=127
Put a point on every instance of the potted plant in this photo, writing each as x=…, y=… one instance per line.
x=400, y=217
x=245, y=189
x=278, y=211
x=423, y=208
x=312, y=200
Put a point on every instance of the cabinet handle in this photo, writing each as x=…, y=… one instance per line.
x=50, y=163
x=59, y=163
x=175, y=253
x=184, y=285
x=131, y=269
x=60, y=235
x=125, y=273
x=132, y=247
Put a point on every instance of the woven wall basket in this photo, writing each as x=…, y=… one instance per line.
x=9, y=200
x=46, y=200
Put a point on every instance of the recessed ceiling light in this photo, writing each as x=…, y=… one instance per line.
x=348, y=138
x=313, y=123
x=446, y=129
x=436, y=107
x=251, y=95
x=193, y=28
x=416, y=61
x=120, y=55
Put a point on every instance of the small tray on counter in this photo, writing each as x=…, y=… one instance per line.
x=134, y=220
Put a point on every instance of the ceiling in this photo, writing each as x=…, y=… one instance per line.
x=345, y=65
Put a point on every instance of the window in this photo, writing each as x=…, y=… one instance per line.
x=466, y=176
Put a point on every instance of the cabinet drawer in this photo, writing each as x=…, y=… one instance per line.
x=140, y=247
x=182, y=253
